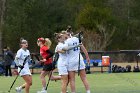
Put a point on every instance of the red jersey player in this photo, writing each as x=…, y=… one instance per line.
x=46, y=54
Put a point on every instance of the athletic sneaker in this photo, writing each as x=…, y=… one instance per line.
x=43, y=91
x=66, y=91
x=18, y=90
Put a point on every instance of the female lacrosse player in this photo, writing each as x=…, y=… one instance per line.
x=46, y=54
x=61, y=48
x=73, y=62
x=62, y=63
x=22, y=58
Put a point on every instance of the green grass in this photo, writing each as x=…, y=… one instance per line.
x=99, y=83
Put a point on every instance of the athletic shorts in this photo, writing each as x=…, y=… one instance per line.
x=73, y=66
x=48, y=67
x=24, y=71
x=63, y=70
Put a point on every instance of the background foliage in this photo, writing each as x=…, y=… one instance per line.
x=107, y=24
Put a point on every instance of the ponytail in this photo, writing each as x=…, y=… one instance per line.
x=48, y=42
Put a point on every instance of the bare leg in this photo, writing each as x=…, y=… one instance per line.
x=72, y=81
x=28, y=80
x=23, y=86
x=54, y=77
x=84, y=79
x=64, y=79
x=42, y=77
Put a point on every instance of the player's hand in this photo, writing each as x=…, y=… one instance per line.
x=44, y=60
x=88, y=60
x=21, y=67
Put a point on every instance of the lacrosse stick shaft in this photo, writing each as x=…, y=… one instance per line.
x=14, y=81
x=79, y=65
x=79, y=36
x=18, y=74
x=49, y=79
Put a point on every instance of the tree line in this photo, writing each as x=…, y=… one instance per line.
x=107, y=24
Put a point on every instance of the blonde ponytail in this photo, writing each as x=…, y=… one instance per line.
x=48, y=42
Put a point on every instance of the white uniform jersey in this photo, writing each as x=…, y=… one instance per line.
x=20, y=56
x=62, y=60
x=73, y=55
x=62, y=56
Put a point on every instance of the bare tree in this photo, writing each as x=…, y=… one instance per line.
x=98, y=41
x=2, y=12
x=106, y=35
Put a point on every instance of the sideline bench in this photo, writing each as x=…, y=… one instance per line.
x=93, y=63
x=98, y=63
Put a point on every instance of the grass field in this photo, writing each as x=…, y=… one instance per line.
x=99, y=83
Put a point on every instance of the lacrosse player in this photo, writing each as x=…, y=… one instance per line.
x=73, y=61
x=25, y=73
x=46, y=54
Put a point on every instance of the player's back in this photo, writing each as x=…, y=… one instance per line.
x=73, y=54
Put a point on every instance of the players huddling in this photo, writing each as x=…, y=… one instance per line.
x=69, y=46
x=69, y=62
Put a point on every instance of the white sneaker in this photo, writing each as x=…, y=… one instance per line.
x=18, y=90
x=66, y=91
x=43, y=91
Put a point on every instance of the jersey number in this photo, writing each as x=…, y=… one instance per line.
x=76, y=48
